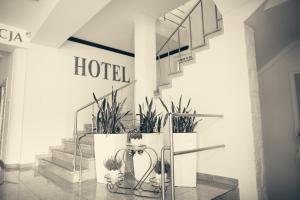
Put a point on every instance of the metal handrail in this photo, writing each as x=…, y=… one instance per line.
x=198, y=150
x=196, y=115
x=172, y=153
x=178, y=27
x=100, y=98
x=76, y=120
x=165, y=18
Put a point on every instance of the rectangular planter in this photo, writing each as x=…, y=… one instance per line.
x=106, y=145
x=142, y=161
x=185, y=166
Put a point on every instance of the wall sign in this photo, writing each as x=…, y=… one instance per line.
x=100, y=69
x=13, y=36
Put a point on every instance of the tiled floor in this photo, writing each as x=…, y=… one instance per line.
x=29, y=185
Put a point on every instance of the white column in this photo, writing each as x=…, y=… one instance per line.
x=145, y=58
x=16, y=102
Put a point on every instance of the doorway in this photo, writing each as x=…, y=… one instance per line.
x=3, y=92
x=295, y=83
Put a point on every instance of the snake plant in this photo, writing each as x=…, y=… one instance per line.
x=181, y=124
x=110, y=115
x=150, y=121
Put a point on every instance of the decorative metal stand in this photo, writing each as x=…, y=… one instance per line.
x=128, y=184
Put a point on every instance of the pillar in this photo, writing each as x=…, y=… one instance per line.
x=145, y=58
x=16, y=104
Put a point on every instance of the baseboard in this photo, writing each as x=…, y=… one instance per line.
x=24, y=166
x=220, y=180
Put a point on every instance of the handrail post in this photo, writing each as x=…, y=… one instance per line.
x=216, y=14
x=202, y=19
x=179, y=50
x=169, y=58
x=158, y=74
x=191, y=37
x=75, y=140
x=162, y=173
x=172, y=156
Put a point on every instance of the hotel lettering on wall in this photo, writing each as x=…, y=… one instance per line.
x=100, y=69
x=10, y=35
x=13, y=36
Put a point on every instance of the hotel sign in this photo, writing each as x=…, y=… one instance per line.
x=100, y=69
x=12, y=36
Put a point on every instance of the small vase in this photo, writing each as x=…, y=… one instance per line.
x=136, y=142
x=158, y=178
x=114, y=176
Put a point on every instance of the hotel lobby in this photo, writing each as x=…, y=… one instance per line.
x=137, y=99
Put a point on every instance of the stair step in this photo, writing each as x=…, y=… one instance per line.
x=83, y=144
x=64, y=184
x=62, y=164
x=70, y=154
x=88, y=127
x=85, y=141
x=165, y=86
x=85, y=148
x=88, y=134
x=61, y=155
x=175, y=74
x=71, y=151
x=47, y=167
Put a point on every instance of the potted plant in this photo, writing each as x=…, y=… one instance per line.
x=150, y=126
x=113, y=167
x=184, y=138
x=110, y=135
x=157, y=170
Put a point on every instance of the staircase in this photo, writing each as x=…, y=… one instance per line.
x=59, y=163
x=197, y=22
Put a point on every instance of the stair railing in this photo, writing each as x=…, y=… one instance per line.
x=75, y=134
x=189, y=46
x=177, y=153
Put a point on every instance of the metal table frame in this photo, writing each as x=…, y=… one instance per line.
x=137, y=189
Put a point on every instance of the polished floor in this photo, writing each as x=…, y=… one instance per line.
x=30, y=185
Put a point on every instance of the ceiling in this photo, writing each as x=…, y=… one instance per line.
x=111, y=26
x=25, y=14
x=274, y=29
x=273, y=3
x=114, y=25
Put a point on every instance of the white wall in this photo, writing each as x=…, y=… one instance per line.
x=53, y=93
x=278, y=124
x=218, y=83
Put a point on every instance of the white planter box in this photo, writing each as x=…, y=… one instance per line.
x=185, y=166
x=141, y=162
x=105, y=147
